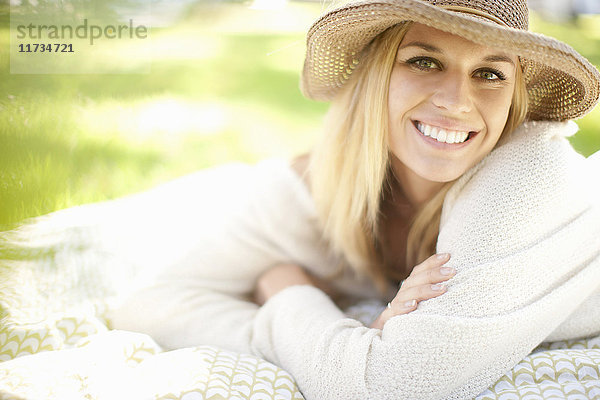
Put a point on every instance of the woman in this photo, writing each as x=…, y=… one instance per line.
x=424, y=151
x=498, y=103
x=441, y=123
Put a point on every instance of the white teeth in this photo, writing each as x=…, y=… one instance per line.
x=427, y=130
x=451, y=137
x=442, y=135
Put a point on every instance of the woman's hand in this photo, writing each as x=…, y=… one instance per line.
x=424, y=282
x=282, y=276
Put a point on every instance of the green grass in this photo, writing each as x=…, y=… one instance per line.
x=73, y=139
x=226, y=95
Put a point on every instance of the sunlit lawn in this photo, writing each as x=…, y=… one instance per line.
x=211, y=97
x=216, y=93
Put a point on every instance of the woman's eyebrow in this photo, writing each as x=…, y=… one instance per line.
x=499, y=58
x=424, y=46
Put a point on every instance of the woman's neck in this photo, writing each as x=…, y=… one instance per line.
x=415, y=188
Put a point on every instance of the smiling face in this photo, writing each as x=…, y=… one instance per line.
x=448, y=103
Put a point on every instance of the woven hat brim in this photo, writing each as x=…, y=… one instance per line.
x=561, y=83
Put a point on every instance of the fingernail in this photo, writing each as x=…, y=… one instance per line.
x=410, y=303
x=438, y=287
x=447, y=270
x=442, y=256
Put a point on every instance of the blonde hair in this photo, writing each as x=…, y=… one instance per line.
x=350, y=167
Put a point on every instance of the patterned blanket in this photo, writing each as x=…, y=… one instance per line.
x=78, y=357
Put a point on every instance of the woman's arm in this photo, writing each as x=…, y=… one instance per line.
x=440, y=352
x=425, y=282
x=219, y=230
x=223, y=228
x=525, y=240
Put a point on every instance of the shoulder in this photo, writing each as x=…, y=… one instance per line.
x=537, y=163
x=532, y=185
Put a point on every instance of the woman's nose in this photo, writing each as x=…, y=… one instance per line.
x=453, y=94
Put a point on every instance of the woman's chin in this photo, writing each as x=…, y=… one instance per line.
x=441, y=175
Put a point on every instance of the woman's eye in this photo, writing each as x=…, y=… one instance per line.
x=491, y=75
x=423, y=63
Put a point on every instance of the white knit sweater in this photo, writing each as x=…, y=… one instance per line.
x=523, y=228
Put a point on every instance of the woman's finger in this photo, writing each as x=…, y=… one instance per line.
x=433, y=261
x=430, y=276
x=430, y=271
x=420, y=293
x=425, y=282
x=391, y=311
x=407, y=301
x=398, y=306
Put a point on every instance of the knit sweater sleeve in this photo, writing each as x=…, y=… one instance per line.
x=222, y=228
x=525, y=239
x=213, y=233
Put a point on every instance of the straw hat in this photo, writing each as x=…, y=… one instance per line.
x=561, y=83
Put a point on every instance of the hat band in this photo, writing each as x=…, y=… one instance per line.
x=474, y=12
